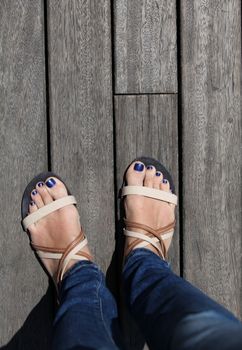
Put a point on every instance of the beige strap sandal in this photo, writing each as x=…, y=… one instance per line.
x=154, y=237
x=64, y=255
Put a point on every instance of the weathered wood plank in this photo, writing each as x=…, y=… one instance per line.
x=81, y=113
x=147, y=125
x=211, y=68
x=23, y=153
x=145, y=46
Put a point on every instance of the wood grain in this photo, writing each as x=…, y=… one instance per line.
x=145, y=55
x=79, y=38
x=147, y=125
x=23, y=154
x=211, y=112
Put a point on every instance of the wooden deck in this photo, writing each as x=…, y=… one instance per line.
x=86, y=86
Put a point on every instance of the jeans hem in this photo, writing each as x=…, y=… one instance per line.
x=142, y=252
x=75, y=268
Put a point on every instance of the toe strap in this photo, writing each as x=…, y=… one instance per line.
x=46, y=210
x=151, y=193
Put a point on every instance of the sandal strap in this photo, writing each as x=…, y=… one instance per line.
x=147, y=239
x=153, y=237
x=150, y=192
x=68, y=257
x=64, y=255
x=69, y=252
x=155, y=232
x=56, y=253
x=135, y=234
x=47, y=209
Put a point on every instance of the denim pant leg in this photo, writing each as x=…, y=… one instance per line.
x=207, y=330
x=159, y=301
x=87, y=316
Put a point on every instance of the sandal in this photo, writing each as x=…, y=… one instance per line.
x=64, y=255
x=154, y=237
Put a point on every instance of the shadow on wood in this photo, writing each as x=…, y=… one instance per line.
x=36, y=330
x=133, y=339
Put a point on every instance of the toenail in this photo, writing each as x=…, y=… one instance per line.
x=165, y=181
x=149, y=167
x=40, y=184
x=34, y=192
x=32, y=203
x=158, y=174
x=50, y=183
x=139, y=167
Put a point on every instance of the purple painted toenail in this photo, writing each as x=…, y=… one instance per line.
x=50, y=183
x=158, y=174
x=139, y=167
x=149, y=167
x=40, y=184
x=34, y=192
x=165, y=181
x=32, y=203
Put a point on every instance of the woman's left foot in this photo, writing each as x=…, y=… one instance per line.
x=147, y=211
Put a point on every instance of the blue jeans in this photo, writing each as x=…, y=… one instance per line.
x=171, y=313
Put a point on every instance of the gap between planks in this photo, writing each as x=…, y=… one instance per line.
x=147, y=94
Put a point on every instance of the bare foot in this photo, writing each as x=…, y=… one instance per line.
x=58, y=229
x=147, y=211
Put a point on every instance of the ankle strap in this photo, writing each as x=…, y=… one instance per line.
x=151, y=233
x=65, y=255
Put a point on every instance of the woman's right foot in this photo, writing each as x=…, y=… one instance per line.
x=58, y=229
x=147, y=211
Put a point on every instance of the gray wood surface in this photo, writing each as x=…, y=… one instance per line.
x=145, y=46
x=211, y=114
x=79, y=89
x=23, y=154
x=147, y=125
x=79, y=38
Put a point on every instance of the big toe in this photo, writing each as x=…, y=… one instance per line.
x=135, y=174
x=56, y=188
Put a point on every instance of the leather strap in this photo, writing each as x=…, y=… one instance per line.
x=47, y=209
x=146, y=238
x=151, y=193
x=56, y=255
x=70, y=256
x=65, y=255
x=153, y=236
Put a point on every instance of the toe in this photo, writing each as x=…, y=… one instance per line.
x=35, y=196
x=56, y=188
x=32, y=207
x=165, y=186
x=41, y=188
x=157, y=180
x=135, y=174
x=149, y=176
